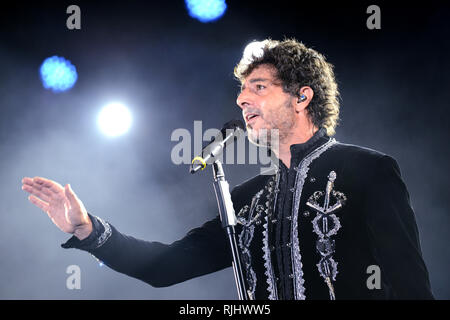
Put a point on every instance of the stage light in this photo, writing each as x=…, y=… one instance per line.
x=114, y=119
x=58, y=74
x=206, y=10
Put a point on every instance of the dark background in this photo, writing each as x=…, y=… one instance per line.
x=172, y=70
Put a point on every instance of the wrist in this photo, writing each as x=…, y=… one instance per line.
x=83, y=232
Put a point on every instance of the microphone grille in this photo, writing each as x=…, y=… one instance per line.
x=234, y=124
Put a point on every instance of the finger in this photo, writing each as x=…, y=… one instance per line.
x=34, y=187
x=73, y=199
x=43, y=189
x=37, y=193
x=28, y=181
x=39, y=203
x=51, y=185
x=29, y=184
x=46, y=191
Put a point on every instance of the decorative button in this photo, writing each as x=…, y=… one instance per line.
x=306, y=213
x=312, y=179
x=332, y=176
x=292, y=189
x=274, y=220
x=289, y=218
x=272, y=248
x=291, y=276
x=288, y=244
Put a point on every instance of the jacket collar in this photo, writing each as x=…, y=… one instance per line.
x=301, y=150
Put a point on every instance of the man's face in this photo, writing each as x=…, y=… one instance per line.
x=265, y=107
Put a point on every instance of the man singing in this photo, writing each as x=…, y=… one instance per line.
x=329, y=215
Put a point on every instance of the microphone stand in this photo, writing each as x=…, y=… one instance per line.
x=228, y=218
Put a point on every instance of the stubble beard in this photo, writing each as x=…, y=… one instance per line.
x=279, y=127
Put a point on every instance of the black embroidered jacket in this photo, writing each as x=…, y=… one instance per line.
x=337, y=224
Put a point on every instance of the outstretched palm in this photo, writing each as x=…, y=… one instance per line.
x=60, y=203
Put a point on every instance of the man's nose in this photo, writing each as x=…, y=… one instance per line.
x=243, y=99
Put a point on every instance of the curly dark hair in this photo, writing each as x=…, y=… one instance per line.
x=298, y=66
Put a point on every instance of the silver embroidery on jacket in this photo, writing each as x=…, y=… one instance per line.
x=105, y=234
x=270, y=208
x=325, y=225
x=246, y=237
x=302, y=172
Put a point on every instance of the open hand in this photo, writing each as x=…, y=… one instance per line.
x=61, y=205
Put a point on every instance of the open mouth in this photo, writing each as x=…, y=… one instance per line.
x=251, y=117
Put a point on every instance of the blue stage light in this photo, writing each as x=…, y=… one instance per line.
x=58, y=74
x=206, y=10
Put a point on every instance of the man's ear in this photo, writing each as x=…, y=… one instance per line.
x=305, y=95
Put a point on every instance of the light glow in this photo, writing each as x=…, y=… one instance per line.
x=206, y=10
x=114, y=119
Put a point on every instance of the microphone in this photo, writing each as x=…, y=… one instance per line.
x=229, y=133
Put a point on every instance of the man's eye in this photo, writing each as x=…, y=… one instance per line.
x=260, y=87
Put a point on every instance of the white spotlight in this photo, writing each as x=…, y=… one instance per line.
x=114, y=119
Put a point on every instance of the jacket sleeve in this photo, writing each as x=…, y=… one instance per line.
x=201, y=251
x=394, y=234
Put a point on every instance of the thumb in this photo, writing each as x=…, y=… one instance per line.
x=71, y=195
